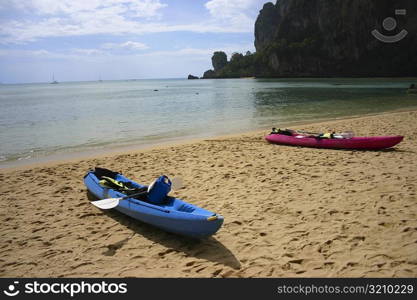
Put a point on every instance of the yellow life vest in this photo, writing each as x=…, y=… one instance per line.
x=111, y=183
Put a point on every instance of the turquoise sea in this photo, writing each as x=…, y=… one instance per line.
x=42, y=120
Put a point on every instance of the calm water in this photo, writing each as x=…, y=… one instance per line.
x=38, y=120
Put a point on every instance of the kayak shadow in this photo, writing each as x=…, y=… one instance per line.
x=388, y=150
x=392, y=149
x=208, y=249
x=395, y=150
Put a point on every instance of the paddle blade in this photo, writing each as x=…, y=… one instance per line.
x=106, y=203
x=176, y=183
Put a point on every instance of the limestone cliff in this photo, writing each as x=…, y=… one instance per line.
x=333, y=38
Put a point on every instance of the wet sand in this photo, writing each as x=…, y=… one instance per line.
x=288, y=211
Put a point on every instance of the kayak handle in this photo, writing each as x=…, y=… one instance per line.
x=212, y=218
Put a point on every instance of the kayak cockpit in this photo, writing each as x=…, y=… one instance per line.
x=125, y=186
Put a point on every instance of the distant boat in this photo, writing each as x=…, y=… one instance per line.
x=53, y=80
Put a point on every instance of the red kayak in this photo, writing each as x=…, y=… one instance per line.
x=364, y=143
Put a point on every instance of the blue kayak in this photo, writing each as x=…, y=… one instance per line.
x=172, y=214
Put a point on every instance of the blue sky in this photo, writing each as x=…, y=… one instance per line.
x=119, y=39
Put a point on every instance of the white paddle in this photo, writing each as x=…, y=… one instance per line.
x=110, y=203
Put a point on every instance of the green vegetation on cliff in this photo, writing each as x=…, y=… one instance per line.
x=239, y=65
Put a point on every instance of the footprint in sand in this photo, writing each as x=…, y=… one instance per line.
x=112, y=248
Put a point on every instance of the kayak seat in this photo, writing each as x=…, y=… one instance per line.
x=288, y=132
x=100, y=172
x=112, y=180
x=120, y=186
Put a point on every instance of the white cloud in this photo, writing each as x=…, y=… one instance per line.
x=234, y=13
x=41, y=52
x=17, y=53
x=45, y=55
x=139, y=8
x=60, y=18
x=87, y=51
x=76, y=17
x=126, y=45
x=147, y=8
x=23, y=32
x=204, y=53
x=229, y=8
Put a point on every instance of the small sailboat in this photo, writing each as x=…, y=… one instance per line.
x=53, y=80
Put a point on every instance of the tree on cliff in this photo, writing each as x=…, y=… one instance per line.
x=219, y=60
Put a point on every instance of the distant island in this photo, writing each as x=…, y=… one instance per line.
x=327, y=38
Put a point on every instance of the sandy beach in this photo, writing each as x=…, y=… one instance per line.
x=289, y=212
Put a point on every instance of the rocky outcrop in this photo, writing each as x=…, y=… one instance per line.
x=238, y=66
x=266, y=25
x=219, y=60
x=209, y=74
x=192, y=77
x=333, y=38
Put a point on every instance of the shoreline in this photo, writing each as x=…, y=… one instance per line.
x=316, y=77
x=111, y=151
x=288, y=211
x=249, y=77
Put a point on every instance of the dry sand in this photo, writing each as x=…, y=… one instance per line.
x=288, y=211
